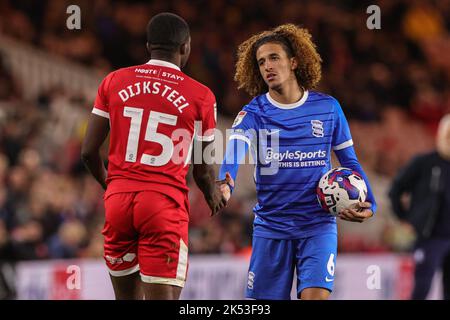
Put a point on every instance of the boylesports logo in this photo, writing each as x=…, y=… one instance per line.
x=294, y=155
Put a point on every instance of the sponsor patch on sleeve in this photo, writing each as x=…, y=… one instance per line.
x=239, y=118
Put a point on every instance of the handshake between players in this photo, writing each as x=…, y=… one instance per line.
x=222, y=194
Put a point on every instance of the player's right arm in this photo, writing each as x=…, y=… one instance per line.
x=234, y=154
x=238, y=145
x=96, y=133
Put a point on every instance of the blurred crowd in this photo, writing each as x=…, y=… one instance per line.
x=393, y=84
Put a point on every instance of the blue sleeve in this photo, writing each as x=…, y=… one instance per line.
x=347, y=158
x=243, y=135
x=342, y=137
x=343, y=148
x=235, y=153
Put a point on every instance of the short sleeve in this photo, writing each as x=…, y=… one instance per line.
x=101, y=104
x=206, y=126
x=342, y=137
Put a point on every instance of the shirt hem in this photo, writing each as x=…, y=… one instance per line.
x=283, y=236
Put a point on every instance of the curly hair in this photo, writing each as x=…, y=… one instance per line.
x=297, y=43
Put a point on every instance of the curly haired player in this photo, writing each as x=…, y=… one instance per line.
x=291, y=131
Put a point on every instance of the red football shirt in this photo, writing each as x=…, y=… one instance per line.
x=155, y=111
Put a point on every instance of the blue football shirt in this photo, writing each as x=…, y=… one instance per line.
x=292, y=145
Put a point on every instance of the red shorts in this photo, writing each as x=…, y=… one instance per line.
x=146, y=231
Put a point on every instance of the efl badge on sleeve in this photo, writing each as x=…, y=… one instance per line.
x=239, y=118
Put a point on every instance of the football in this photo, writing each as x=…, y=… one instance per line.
x=340, y=188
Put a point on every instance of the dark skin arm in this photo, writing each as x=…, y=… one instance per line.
x=96, y=133
x=205, y=178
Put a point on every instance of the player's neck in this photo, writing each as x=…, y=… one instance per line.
x=175, y=59
x=288, y=93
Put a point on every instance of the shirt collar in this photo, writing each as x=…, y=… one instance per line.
x=162, y=63
x=290, y=105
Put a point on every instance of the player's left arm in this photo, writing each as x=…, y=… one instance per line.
x=204, y=172
x=342, y=143
x=364, y=210
x=205, y=177
x=96, y=133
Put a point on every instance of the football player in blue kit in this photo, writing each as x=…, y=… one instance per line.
x=291, y=131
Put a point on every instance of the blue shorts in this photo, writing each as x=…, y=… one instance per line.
x=273, y=262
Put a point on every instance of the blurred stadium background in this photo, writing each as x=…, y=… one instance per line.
x=393, y=84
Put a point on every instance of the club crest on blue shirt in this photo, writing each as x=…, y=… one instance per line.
x=239, y=118
x=317, y=128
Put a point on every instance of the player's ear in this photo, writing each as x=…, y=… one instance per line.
x=294, y=63
x=148, y=47
x=183, y=48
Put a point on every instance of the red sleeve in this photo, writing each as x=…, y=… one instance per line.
x=101, y=105
x=208, y=113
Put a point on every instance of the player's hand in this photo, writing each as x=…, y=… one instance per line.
x=221, y=195
x=224, y=186
x=358, y=213
x=217, y=202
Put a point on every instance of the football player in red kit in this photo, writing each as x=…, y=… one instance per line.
x=153, y=112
